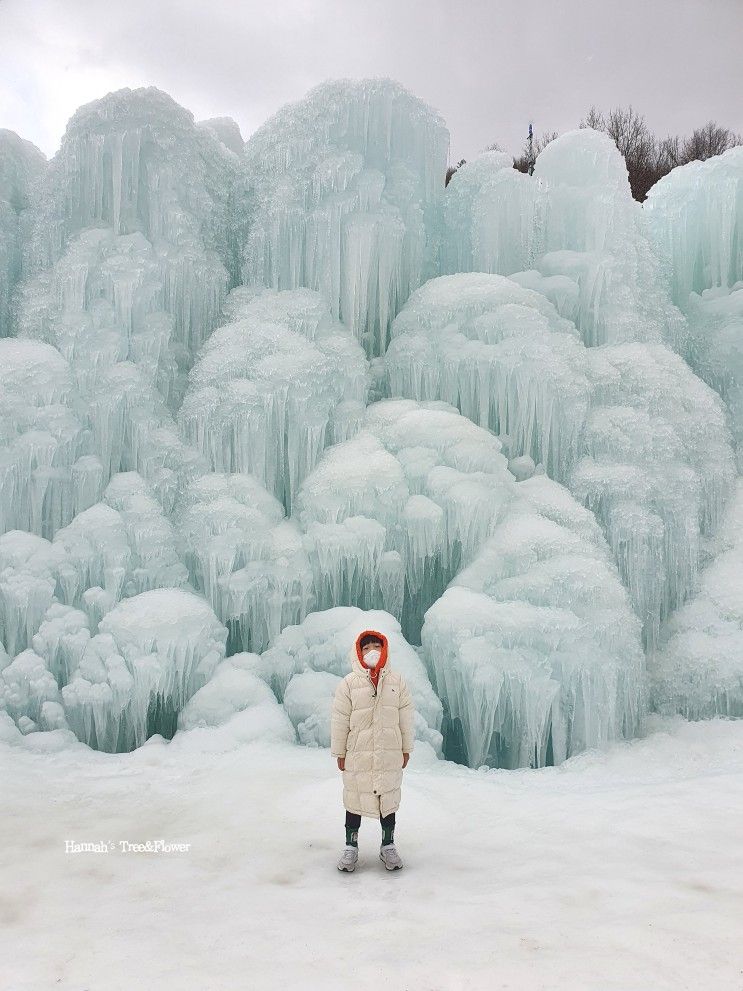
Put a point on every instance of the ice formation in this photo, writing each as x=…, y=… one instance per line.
x=21, y=164
x=348, y=190
x=273, y=387
x=239, y=701
x=245, y=556
x=615, y=423
x=696, y=216
x=698, y=671
x=534, y=646
x=572, y=229
x=118, y=547
x=257, y=397
x=151, y=654
x=45, y=472
x=304, y=664
x=391, y=515
x=135, y=163
x=502, y=355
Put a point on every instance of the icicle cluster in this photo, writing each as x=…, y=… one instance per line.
x=21, y=165
x=391, y=515
x=273, y=387
x=534, y=647
x=245, y=556
x=573, y=227
x=616, y=423
x=348, y=186
x=698, y=670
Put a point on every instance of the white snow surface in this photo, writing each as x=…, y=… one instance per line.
x=616, y=870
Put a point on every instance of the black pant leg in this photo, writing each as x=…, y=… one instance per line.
x=353, y=820
x=388, y=820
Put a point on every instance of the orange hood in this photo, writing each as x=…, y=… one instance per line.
x=382, y=660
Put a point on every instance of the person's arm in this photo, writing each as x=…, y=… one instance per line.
x=340, y=722
x=407, y=717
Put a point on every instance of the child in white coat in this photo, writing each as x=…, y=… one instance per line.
x=372, y=739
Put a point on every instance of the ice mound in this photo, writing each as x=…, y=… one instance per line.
x=116, y=548
x=21, y=164
x=696, y=216
x=234, y=689
x=502, y=355
x=391, y=515
x=573, y=229
x=45, y=472
x=614, y=423
x=534, y=647
x=716, y=348
x=348, y=186
x=119, y=686
x=103, y=303
x=151, y=654
x=245, y=556
x=304, y=664
x=273, y=387
x=698, y=670
x=136, y=163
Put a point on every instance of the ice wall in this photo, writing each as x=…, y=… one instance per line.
x=21, y=164
x=348, y=185
x=151, y=654
x=696, y=217
x=534, y=647
x=390, y=516
x=46, y=472
x=695, y=214
x=135, y=163
x=502, y=355
x=115, y=548
x=245, y=556
x=572, y=229
x=698, y=670
x=615, y=423
x=273, y=387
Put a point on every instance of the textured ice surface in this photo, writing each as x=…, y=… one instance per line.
x=187, y=472
x=615, y=423
x=118, y=547
x=698, y=670
x=502, y=355
x=45, y=474
x=696, y=217
x=238, y=702
x=135, y=163
x=151, y=654
x=245, y=556
x=391, y=515
x=573, y=227
x=21, y=163
x=304, y=664
x=348, y=186
x=273, y=387
x=534, y=646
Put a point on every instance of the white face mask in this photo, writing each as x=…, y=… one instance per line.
x=372, y=657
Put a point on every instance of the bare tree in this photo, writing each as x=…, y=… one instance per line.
x=708, y=141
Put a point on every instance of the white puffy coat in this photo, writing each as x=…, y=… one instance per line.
x=372, y=730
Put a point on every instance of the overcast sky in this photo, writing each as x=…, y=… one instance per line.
x=489, y=66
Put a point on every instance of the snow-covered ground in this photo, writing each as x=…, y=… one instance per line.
x=617, y=870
